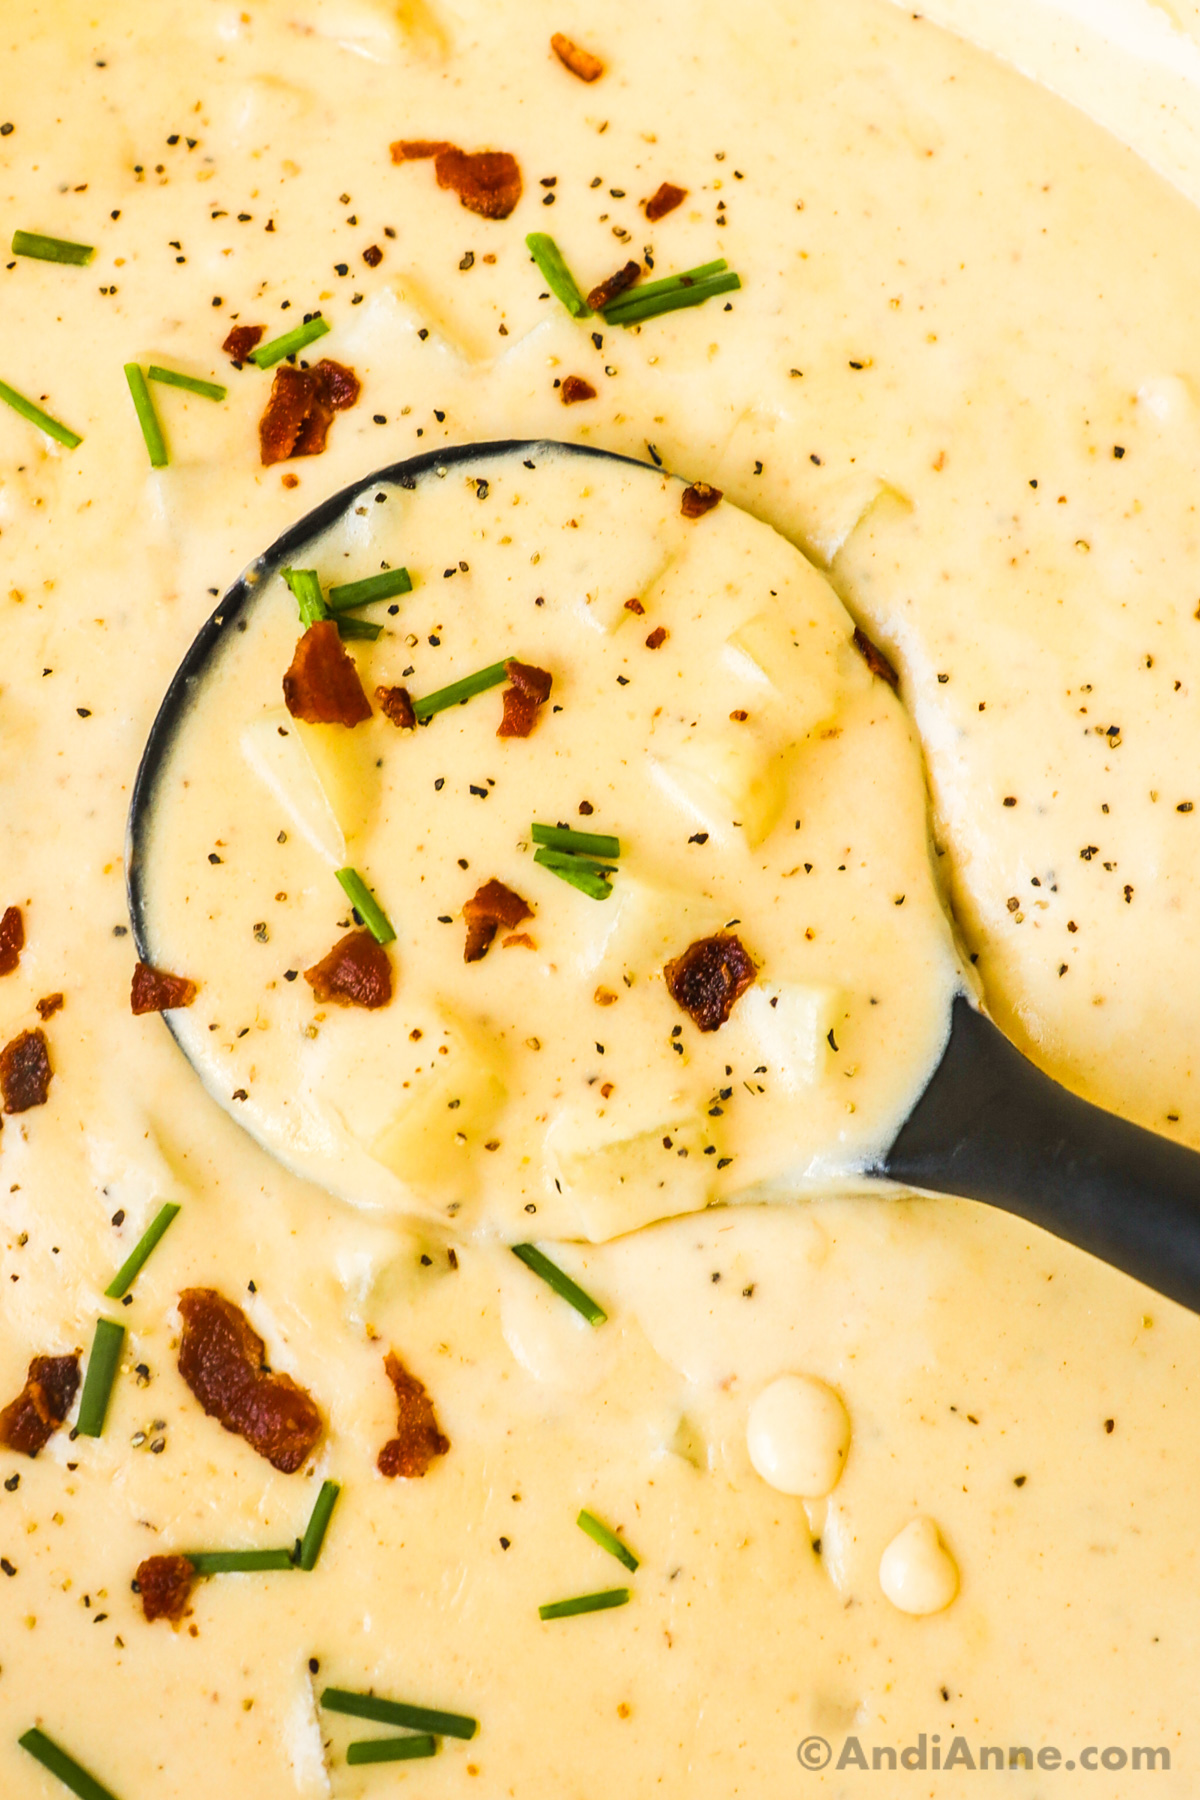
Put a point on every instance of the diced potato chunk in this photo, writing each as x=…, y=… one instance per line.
x=797, y=664
x=274, y=751
x=725, y=780
x=651, y=923
x=842, y=504
x=788, y=1027
x=856, y=567
x=620, y=1180
x=345, y=765
x=603, y=594
x=612, y=557
x=431, y=1141
x=690, y=1444
x=406, y=306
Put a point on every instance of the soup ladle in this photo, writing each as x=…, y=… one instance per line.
x=989, y=1125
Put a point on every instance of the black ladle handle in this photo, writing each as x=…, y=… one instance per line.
x=990, y=1126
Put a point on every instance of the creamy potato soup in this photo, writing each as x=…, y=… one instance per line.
x=761, y=789
x=389, y=1404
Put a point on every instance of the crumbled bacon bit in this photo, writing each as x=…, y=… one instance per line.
x=418, y=149
x=657, y=637
x=487, y=182
x=572, y=56
x=699, y=499
x=529, y=692
x=395, y=703
x=489, y=907
x=242, y=340
x=153, y=990
x=25, y=1071
x=301, y=408
x=635, y=606
x=418, y=1437
x=574, y=389
x=221, y=1360
x=663, y=201
x=356, y=972
x=29, y=1422
x=518, y=938
x=739, y=715
x=709, y=977
x=606, y=291
x=322, y=686
x=875, y=660
x=372, y=256
x=48, y=1005
x=165, y=1586
x=12, y=939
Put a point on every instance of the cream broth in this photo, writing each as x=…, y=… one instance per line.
x=953, y=288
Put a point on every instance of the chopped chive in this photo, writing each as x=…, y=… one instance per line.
x=239, y=1562
x=51, y=249
x=101, y=1373
x=585, y=1603
x=132, y=1267
x=62, y=434
x=398, y=1712
x=366, y=905
x=561, y=1283
x=607, y=1540
x=143, y=405
x=561, y=837
x=208, y=390
x=376, y=1750
x=376, y=587
x=306, y=587
x=68, y=1771
x=674, y=302
x=588, y=877
x=667, y=284
x=466, y=689
x=359, y=628
x=555, y=273
x=268, y=354
x=568, y=859
x=318, y=1525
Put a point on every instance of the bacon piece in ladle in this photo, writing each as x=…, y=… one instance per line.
x=489, y=907
x=322, y=686
x=356, y=972
x=709, y=977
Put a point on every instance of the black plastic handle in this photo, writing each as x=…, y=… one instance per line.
x=990, y=1126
